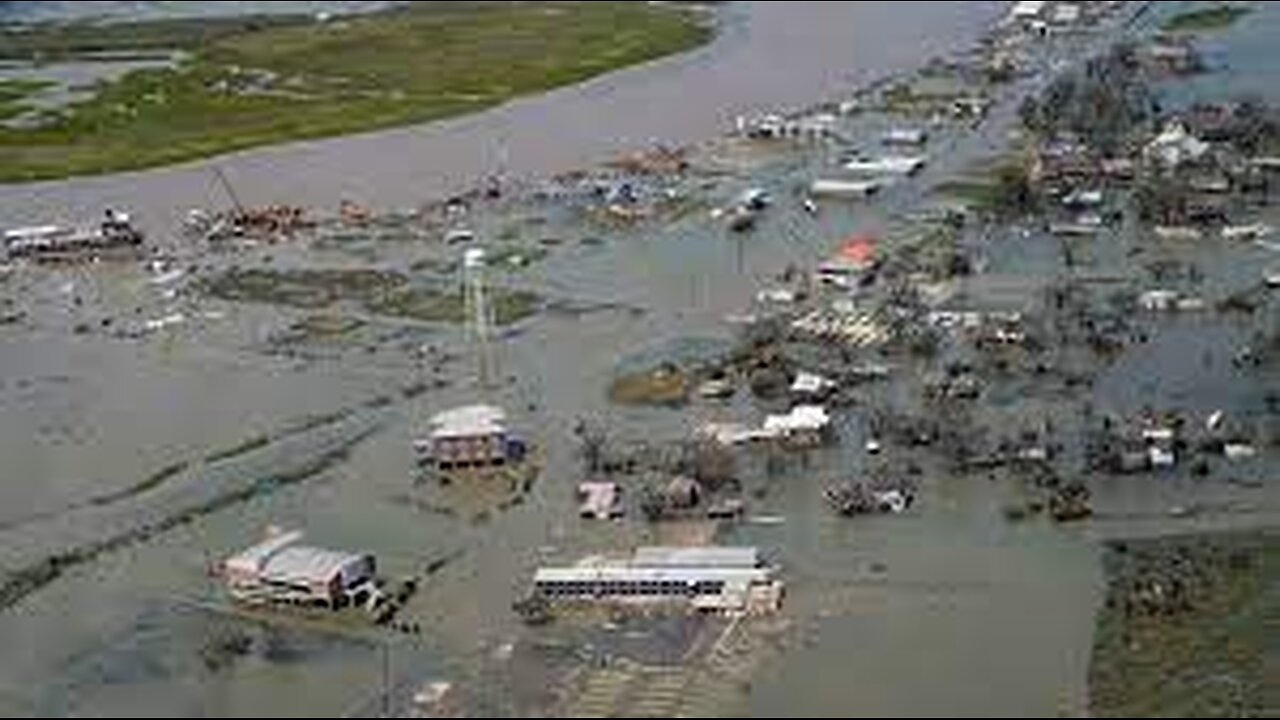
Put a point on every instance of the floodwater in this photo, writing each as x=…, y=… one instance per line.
x=769, y=55
x=945, y=610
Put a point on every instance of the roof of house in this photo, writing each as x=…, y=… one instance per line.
x=598, y=497
x=801, y=417
x=859, y=247
x=1027, y=8
x=628, y=573
x=807, y=382
x=469, y=420
x=1175, y=143
x=280, y=558
x=253, y=559
x=309, y=564
x=696, y=556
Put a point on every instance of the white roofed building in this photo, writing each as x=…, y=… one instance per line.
x=717, y=579
x=281, y=569
x=471, y=436
x=1027, y=9
x=804, y=424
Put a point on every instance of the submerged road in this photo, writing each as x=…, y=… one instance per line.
x=767, y=55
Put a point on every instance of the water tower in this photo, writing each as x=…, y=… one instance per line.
x=479, y=313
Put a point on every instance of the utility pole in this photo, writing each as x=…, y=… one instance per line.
x=386, y=679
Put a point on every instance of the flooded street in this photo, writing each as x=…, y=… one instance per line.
x=126, y=439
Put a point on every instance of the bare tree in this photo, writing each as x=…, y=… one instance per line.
x=593, y=441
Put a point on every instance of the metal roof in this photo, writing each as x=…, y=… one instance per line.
x=807, y=382
x=253, y=559
x=280, y=558
x=627, y=573
x=599, y=498
x=658, y=556
x=469, y=420
x=1027, y=8
x=309, y=564
x=801, y=417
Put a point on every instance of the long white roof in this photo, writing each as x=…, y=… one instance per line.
x=707, y=556
x=627, y=573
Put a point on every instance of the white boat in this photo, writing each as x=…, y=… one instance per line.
x=754, y=198
x=905, y=136
x=1177, y=232
x=459, y=235
x=165, y=278
x=717, y=388
x=1252, y=231
x=779, y=296
x=1073, y=228
x=116, y=230
x=844, y=188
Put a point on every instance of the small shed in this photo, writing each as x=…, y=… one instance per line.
x=599, y=500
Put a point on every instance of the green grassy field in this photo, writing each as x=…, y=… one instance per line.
x=1211, y=18
x=253, y=84
x=14, y=92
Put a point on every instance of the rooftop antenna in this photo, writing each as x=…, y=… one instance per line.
x=478, y=311
x=217, y=171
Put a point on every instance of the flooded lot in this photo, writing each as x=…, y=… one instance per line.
x=299, y=421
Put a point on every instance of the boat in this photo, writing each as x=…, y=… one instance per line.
x=905, y=136
x=1252, y=231
x=51, y=241
x=1177, y=232
x=844, y=188
x=715, y=388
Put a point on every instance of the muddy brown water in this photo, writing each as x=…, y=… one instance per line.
x=769, y=55
x=947, y=610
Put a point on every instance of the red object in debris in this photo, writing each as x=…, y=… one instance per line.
x=858, y=248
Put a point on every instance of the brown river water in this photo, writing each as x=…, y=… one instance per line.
x=946, y=611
